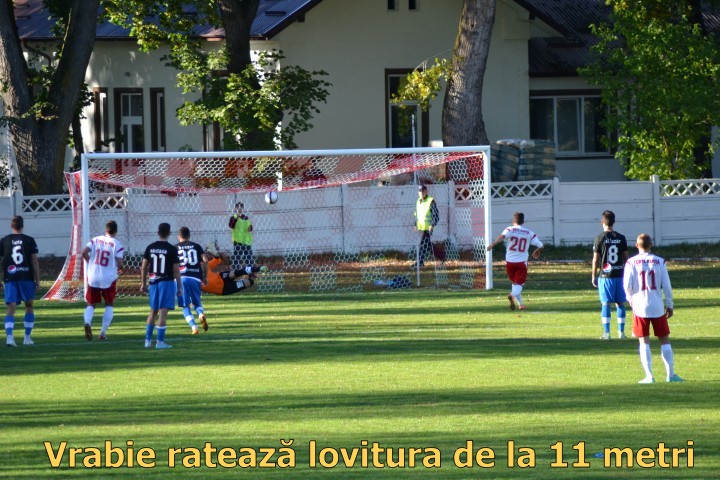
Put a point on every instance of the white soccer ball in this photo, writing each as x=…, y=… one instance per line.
x=271, y=197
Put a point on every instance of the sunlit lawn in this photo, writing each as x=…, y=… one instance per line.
x=421, y=368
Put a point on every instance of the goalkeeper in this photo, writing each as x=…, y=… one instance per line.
x=231, y=281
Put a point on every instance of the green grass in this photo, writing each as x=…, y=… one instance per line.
x=416, y=368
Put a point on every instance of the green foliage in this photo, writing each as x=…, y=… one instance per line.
x=252, y=101
x=659, y=76
x=422, y=85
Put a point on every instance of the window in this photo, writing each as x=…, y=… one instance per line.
x=412, y=4
x=157, y=120
x=573, y=122
x=129, y=120
x=101, y=122
x=401, y=118
x=392, y=4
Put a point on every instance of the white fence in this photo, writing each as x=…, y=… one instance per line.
x=560, y=213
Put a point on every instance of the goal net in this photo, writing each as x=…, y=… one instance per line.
x=344, y=220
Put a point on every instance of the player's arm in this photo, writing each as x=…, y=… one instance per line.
x=204, y=269
x=434, y=215
x=86, y=253
x=120, y=264
x=628, y=282
x=144, y=274
x=178, y=280
x=36, y=268
x=595, y=262
x=667, y=290
x=499, y=239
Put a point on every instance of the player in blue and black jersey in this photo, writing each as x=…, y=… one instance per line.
x=21, y=273
x=610, y=252
x=193, y=272
x=160, y=272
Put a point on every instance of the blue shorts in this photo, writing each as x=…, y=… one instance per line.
x=611, y=290
x=162, y=295
x=21, y=291
x=192, y=292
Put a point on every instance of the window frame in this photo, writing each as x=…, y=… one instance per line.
x=101, y=117
x=579, y=96
x=422, y=123
x=158, y=139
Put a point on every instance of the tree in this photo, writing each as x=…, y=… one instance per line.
x=659, y=73
x=248, y=99
x=462, y=119
x=39, y=105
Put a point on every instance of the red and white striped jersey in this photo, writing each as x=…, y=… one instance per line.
x=645, y=280
x=102, y=266
x=517, y=243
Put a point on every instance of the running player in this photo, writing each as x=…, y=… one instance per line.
x=610, y=252
x=104, y=257
x=518, y=240
x=193, y=272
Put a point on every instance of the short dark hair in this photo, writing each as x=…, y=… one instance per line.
x=644, y=241
x=111, y=227
x=164, y=230
x=608, y=218
x=17, y=223
x=240, y=205
x=519, y=218
x=184, y=233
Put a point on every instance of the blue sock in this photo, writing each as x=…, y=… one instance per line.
x=605, y=314
x=621, y=318
x=149, y=331
x=188, y=314
x=161, y=334
x=29, y=323
x=199, y=310
x=9, y=324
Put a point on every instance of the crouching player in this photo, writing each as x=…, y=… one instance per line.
x=232, y=281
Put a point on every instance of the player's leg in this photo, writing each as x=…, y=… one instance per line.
x=619, y=298
x=154, y=301
x=108, y=295
x=641, y=329
x=510, y=270
x=92, y=297
x=168, y=293
x=233, y=285
x=662, y=331
x=29, y=320
x=196, y=299
x=518, y=283
x=184, y=302
x=605, y=301
x=11, y=299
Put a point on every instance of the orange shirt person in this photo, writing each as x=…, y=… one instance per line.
x=231, y=281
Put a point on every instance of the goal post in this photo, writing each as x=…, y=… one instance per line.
x=343, y=220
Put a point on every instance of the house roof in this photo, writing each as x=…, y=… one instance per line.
x=35, y=22
x=548, y=56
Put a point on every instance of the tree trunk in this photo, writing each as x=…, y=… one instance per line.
x=462, y=120
x=39, y=140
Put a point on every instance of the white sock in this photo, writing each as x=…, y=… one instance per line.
x=89, y=312
x=107, y=318
x=646, y=359
x=668, y=359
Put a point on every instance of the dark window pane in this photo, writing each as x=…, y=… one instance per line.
x=568, y=122
x=542, y=120
x=594, y=132
x=401, y=126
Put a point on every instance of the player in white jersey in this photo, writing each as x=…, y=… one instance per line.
x=104, y=257
x=518, y=239
x=645, y=281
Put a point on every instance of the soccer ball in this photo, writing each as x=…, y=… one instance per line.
x=271, y=197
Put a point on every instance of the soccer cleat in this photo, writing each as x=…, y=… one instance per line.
x=203, y=322
x=10, y=342
x=521, y=307
x=102, y=337
x=28, y=341
x=195, y=331
x=621, y=335
x=264, y=269
x=88, y=331
x=605, y=336
x=675, y=378
x=647, y=380
x=162, y=345
x=512, y=302
x=148, y=343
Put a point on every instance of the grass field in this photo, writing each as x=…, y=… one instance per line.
x=421, y=368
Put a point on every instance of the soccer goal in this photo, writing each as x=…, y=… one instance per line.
x=343, y=219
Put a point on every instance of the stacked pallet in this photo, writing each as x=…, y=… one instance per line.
x=523, y=160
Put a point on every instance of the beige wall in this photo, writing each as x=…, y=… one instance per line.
x=356, y=41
